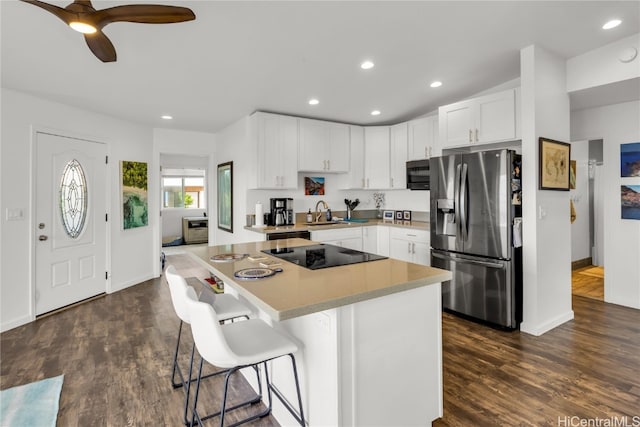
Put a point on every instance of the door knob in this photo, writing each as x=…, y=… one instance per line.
x=42, y=238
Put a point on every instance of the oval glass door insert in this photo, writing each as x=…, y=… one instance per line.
x=73, y=198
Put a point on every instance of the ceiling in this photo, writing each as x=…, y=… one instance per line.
x=239, y=56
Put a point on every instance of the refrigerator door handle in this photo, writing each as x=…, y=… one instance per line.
x=456, y=198
x=488, y=264
x=463, y=202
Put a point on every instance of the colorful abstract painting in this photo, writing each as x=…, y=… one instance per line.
x=313, y=186
x=135, y=205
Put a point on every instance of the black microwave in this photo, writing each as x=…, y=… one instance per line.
x=418, y=174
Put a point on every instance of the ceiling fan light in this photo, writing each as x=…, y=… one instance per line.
x=82, y=27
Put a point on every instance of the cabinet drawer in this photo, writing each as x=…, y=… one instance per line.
x=336, y=234
x=418, y=236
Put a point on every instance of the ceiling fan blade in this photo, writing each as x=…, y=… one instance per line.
x=61, y=13
x=143, y=13
x=101, y=46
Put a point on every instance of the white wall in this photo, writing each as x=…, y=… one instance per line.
x=546, y=222
x=601, y=66
x=615, y=124
x=580, y=233
x=125, y=141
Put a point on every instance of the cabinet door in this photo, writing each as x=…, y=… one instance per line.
x=376, y=155
x=456, y=124
x=338, y=149
x=421, y=253
x=421, y=138
x=288, y=149
x=268, y=157
x=356, y=158
x=370, y=239
x=312, y=146
x=496, y=118
x=398, y=156
x=400, y=249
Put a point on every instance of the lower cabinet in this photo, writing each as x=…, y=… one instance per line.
x=344, y=237
x=410, y=245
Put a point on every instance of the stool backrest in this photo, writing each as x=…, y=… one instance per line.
x=178, y=287
x=207, y=333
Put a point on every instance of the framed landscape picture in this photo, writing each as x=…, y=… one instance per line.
x=554, y=164
x=630, y=159
x=135, y=205
x=630, y=201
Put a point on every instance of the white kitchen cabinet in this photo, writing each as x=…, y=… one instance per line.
x=398, y=156
x=376, y=157
x=410, y=245
x=356, y=158
x=323, y=146
x=482, y=120
x=276, y=150
x=345, y=237
x=423, y=138
x=370, y=239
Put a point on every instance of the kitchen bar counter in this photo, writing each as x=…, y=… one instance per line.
x=298, y=291
x=369, y=335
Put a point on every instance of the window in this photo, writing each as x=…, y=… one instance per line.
x=184, y=191
x=73, y=199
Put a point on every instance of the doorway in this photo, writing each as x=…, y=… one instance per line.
x=70, y=220
x=587, y=228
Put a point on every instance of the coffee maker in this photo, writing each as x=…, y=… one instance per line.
x=282, y=212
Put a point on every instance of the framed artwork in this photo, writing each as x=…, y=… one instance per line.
x=314, y=186
x=554, y=164
x=388, y=215
x=630, y=159
x=399, y=215
x=406, y=215
x=630, y=201
x=135, y=204
x=225, y=196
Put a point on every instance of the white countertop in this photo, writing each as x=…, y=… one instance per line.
x=298, y=291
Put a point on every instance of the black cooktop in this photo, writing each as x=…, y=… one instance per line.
x=319, y=256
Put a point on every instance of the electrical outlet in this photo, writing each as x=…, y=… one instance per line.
x=14, y=214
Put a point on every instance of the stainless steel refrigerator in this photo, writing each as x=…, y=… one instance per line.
x=475, y=203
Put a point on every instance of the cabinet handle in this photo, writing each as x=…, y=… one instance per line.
x=328, y=165
x=426, y=152
x=391, y=182
x=367, y=182
x=476, y=135
x=409, y=248
x=413, y=248
x=470, y=135
x=363, y=184
x=324, y=165
x=430, y=152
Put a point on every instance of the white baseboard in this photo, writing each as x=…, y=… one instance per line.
x=115, y=287
x=22, y=320
x=542, y=328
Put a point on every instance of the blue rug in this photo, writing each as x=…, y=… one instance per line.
x=32, y=405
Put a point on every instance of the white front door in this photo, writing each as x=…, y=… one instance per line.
x=70, y=235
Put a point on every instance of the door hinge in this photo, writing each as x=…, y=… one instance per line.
x=106, y=275
x=106, y=159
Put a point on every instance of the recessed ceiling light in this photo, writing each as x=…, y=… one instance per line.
x=367, y=65
x=167, y=117
x=611, y=24
x=314, y=101
x=436, y=84
x=375, y=113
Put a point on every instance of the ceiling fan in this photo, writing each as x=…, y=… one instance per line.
x=81, y=16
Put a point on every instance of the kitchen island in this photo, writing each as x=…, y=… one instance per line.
x=369, y=334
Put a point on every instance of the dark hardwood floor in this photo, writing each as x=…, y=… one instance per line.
x=115, y=353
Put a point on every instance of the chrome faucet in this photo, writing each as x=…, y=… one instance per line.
x=318, y=213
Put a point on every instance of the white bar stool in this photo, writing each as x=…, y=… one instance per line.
x=234, y=346
x=228, y=305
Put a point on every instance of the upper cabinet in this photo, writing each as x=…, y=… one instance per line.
x=276, y=150
x=423, y=138
x=482, y=120
x=356, y=158
x=398, y=156
x=323, y=146
x=376, y=157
